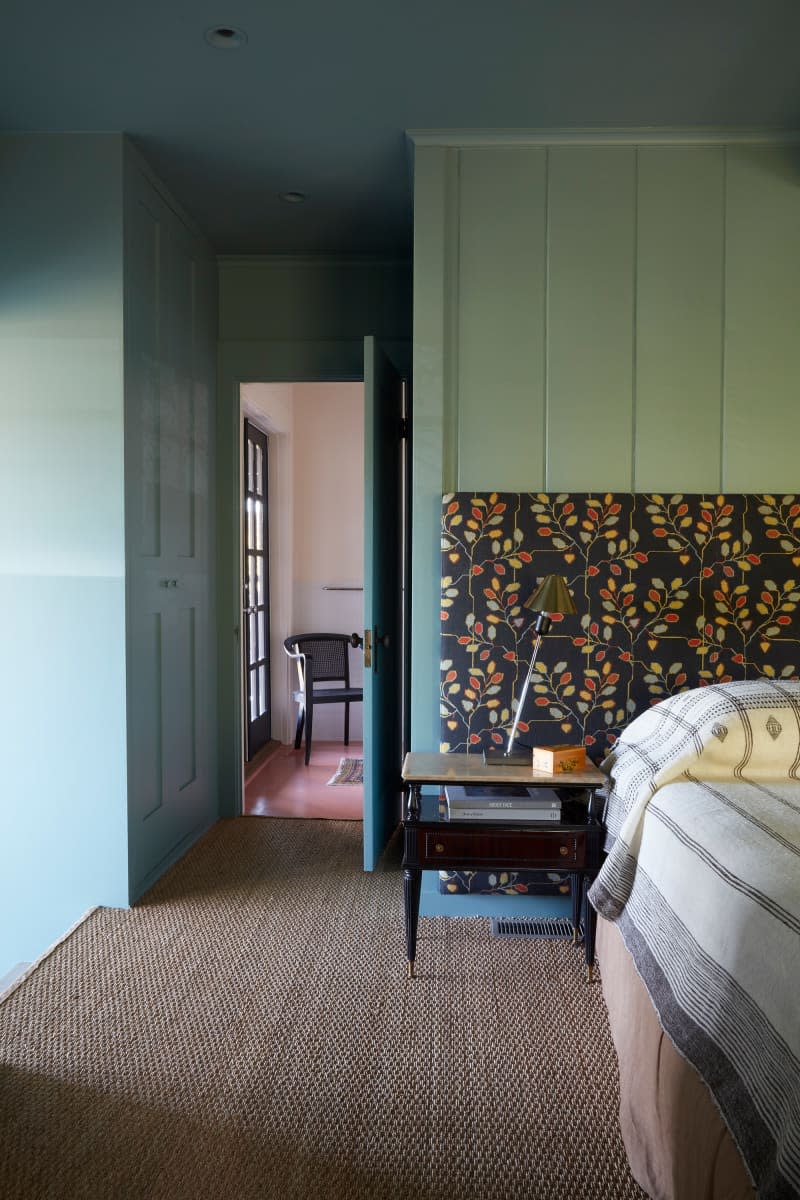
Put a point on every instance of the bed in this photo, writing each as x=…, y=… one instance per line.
x=699, y=939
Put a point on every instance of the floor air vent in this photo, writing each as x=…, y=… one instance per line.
x=532, y=927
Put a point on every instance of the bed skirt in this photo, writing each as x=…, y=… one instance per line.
x=678, y=1146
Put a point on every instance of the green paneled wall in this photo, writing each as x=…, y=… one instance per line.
x=66, y=292
x=679, y=317
x=62, y=592
x=501, y=307
x=761, y=394
x=590, y=298
x=616, y=313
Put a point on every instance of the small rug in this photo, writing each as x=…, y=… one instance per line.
x=350, y=770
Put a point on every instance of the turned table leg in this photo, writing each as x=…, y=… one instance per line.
x=412, y=883
x=576, y=896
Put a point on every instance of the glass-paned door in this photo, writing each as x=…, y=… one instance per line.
x=255, y=604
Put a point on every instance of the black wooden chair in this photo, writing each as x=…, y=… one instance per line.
x=321, y=659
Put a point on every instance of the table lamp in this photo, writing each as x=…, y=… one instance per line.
x=551, y=596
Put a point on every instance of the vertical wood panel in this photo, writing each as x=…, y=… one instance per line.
x=761, y=415
x=142, y=318
x=590, y=318
x=147, y=747
x=501, y=319
x=178, y=409
x=183, y=759
x=433, y=168
x=679, y=318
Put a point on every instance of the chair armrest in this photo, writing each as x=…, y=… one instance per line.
x=305, y=667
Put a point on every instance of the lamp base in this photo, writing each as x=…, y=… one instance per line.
x=495, y=757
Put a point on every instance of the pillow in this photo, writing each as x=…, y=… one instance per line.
x=749, y=729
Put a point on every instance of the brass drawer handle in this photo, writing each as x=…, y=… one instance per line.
x=563, y=850
x=439, y=848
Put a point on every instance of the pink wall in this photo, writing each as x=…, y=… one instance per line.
x=328, y=485
x=316, y=462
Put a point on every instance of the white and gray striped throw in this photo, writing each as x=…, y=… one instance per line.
x=703, y=879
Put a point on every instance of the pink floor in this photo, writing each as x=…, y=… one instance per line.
x=283, y=786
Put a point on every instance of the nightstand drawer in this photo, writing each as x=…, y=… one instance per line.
x=537, y=848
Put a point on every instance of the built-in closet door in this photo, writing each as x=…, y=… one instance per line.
x=169, y=372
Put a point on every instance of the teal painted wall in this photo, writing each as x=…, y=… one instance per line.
x=286, y=320
x=598, y=315
x=62, y=597
x=65, y=600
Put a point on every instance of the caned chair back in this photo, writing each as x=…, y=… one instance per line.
x=329, y=655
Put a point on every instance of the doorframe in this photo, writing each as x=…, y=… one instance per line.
x=279, y=535
x=239, y=363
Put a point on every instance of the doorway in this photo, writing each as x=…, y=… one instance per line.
x=314, y=439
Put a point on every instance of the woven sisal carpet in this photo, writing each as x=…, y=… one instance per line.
x=248, y=1031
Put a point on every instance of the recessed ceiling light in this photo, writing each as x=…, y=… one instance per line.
x=292, y=197
x=225, y=37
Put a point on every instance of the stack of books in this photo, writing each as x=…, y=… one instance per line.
x=502, y=802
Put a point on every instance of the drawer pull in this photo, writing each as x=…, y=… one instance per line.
x=439, y=848
x=563, y=851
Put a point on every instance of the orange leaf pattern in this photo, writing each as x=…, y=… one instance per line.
x=672, y=592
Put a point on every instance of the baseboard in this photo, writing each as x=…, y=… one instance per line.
x=10, y=982
x=12, y=976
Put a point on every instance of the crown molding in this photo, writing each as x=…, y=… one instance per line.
x=644, y=136
x=134, y=157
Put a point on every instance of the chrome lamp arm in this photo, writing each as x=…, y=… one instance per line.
x=541, y=627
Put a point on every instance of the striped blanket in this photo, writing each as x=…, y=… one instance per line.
x=703, y=880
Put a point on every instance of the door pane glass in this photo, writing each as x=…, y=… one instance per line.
x=252, y=597
x=259, y=562
x=250, y=520
x=253, y=690
x=253, y=643
x=258, y=517
x=258, y=487
x=262, y=680
x=249, y=466
x=262, y=641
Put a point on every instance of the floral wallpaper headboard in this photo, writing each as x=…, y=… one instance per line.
x=672, y=592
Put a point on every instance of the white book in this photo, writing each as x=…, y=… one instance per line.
x=540, y=815
x=501, y=797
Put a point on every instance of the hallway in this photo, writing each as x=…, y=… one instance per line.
x=281, y=785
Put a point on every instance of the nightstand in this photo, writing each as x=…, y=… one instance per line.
x=433, y=842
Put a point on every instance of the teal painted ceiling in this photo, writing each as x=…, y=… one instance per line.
x=320, y=96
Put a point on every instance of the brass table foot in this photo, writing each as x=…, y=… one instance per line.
x=575, y=937
x=411, y=969
x=590, y=974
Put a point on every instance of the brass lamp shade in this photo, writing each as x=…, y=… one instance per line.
x=552, y=596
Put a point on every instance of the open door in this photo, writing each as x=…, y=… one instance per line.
x=384, y=556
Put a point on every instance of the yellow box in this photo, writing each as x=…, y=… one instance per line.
x=559, y=760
